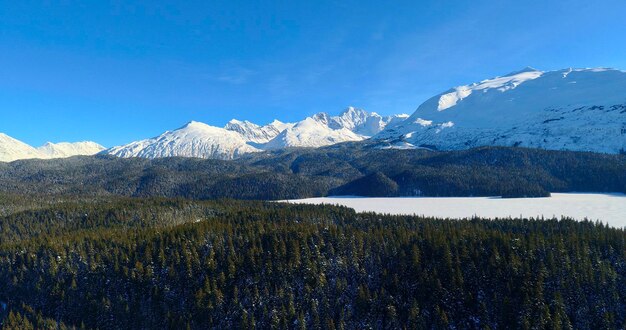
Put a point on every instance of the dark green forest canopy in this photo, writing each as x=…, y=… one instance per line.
x=133, y=263
x=344, y=169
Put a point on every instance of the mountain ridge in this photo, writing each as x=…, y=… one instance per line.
x=195, y=139
x=12, y=149
x=568, y=109
x=239, y=137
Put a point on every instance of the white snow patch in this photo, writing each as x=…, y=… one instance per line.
x=423, y=122
x=567, y=72
x=399, y=145
x=450, y=99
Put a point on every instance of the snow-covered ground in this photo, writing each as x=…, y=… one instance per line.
x=608, y=208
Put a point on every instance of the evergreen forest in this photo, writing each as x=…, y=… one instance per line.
x=146, y=263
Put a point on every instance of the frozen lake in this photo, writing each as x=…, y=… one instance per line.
x=608, y=208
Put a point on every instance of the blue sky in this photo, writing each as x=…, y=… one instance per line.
x=118, y=71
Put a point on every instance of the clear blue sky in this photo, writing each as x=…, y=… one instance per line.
x=117, y=71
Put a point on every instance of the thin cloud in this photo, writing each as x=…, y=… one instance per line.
x=236, y=76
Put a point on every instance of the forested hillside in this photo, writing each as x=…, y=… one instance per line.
x=345, y=169
x=120, y=263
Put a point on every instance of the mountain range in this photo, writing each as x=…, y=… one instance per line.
x=569, y=109
x=12, y=149
x=236, y=138
x=200, y=140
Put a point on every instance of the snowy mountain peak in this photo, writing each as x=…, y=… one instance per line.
x=575, y=109
x=254, y=133
x=321, y=129
x=195, y=125
x=357, y=120
x=321, y=117
x=12, y=149
x=312, y=132
x=234, y=122
x=279, y=125
x=276, y=122
x=354, y=112
x=353, y=117
x=195, y=139
x=66, y=149
x=524, y=70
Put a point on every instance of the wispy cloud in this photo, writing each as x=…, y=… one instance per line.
x=236, y=75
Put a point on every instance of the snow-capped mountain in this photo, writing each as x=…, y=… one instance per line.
x=571, y=109
x=254, y=133
x=318, y=130
x=323, y=129
x=359, y=121
x=12, y=149
x=311, y=133
x=66, y=149
x=241, y=137
x=192, y=140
